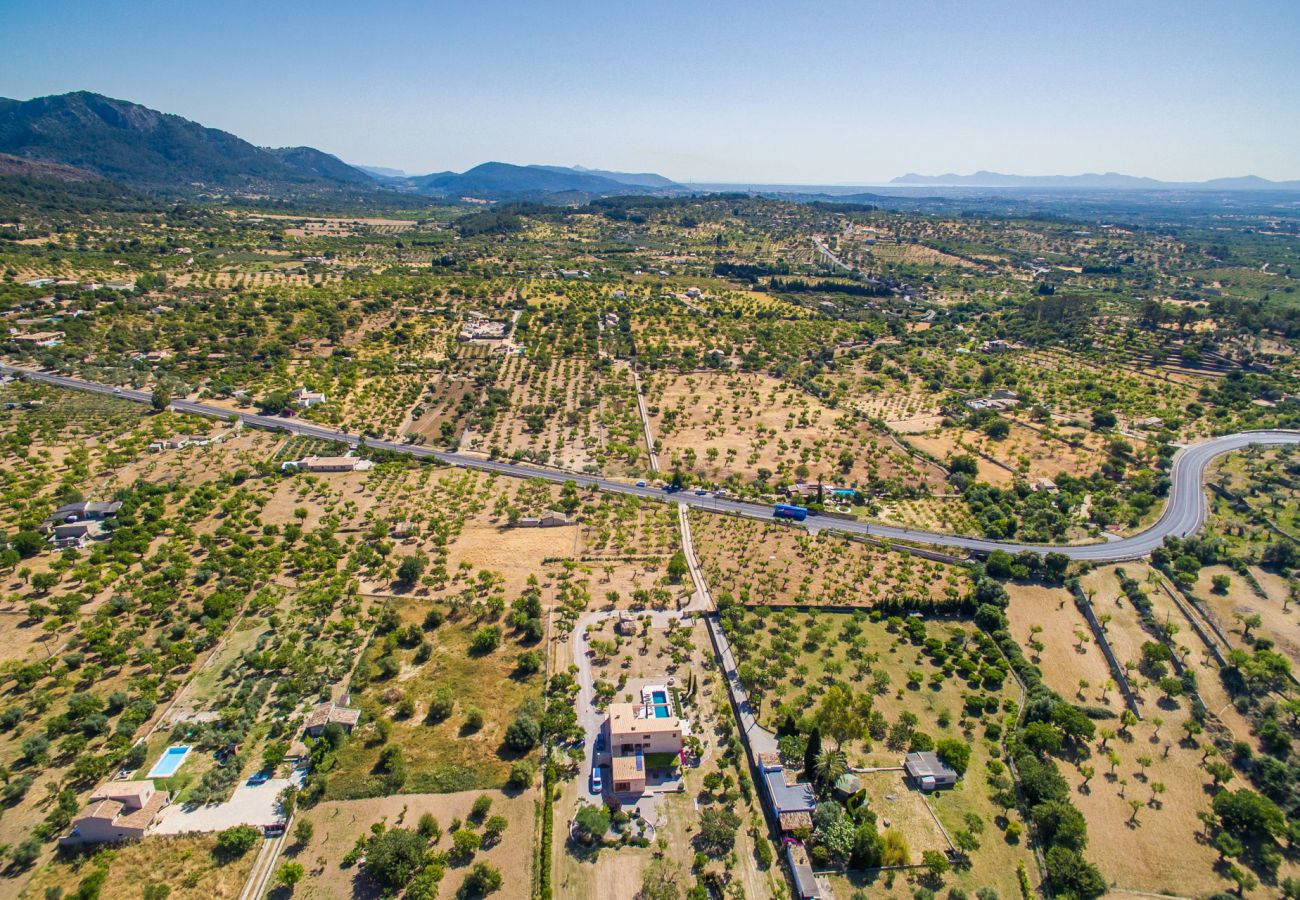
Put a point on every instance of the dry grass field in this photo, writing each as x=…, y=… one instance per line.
x=186, y=865
x=444, y=754
x=1159, y=847
x=439, y=414
x=1025, y=453
x=1280, y=620
x=337, y=824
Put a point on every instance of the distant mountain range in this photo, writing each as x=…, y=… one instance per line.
x=1109, y=181
x=168, y=155
x=141, y=149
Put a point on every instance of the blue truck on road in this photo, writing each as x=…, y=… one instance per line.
x=787, y=511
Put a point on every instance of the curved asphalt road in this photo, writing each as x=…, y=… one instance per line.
x=1184, y=514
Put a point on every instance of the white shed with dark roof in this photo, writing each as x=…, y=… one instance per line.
x=928, y=772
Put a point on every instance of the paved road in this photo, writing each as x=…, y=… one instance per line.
x=1184, y=514
x=831, y=257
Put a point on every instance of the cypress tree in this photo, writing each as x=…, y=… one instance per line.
x=811, y=753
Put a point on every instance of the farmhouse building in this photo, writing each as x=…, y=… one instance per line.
x=630, y=729
x=330, y=464
x=928, y=772
x=118, y=812
x=791, y=801
x=1044, y=484
x=847, y=785
x=83, y=511
x=307, y=399
x=74, y=534
x=331, y=714
x=635, y=732
x=480, y=328
x=75, y=524
x=40, y=338
x=552, y=519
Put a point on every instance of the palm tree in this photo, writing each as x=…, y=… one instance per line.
x=830, y=765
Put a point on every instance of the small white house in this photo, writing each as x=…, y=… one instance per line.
x=307, y=399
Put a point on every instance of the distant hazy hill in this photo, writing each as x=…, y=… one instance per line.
x=381, y=171
x=636, y=179
x=503, y=181
x=1108, y=181
x=163, y=153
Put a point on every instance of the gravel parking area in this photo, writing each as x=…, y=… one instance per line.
x=249, y=805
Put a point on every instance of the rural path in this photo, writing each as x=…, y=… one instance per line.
x=645, y=421
x=1184, y=513
x=760, y=740
x=701, y=599
x=264, y=866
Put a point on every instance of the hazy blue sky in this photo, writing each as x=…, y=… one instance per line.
x=708, y=90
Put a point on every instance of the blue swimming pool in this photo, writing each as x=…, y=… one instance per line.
x=169, y=762
x=660, y=700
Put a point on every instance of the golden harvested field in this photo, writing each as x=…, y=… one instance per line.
x=757, y=562
x=338, y=824
x=631, y=537
x=906, y=412
x=1046, y=618
x=918, y=254
x=724, y=425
